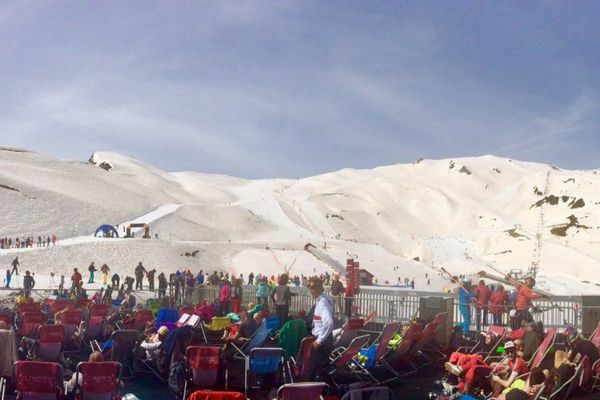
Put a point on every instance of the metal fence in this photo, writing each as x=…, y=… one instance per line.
x=390, y=305
x=403, y=306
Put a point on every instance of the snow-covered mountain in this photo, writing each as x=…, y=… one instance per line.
x=403, y=220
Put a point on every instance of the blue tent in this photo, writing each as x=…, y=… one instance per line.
x=106, y=230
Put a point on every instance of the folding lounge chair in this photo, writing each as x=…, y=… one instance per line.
x=477, y=348
x=51, y=339
x=304, y=391
x=218, y=324
x=205, y=395
x=401, y=356
x=347, y=358
x=291, y=335
x=346, y=335
x=595, y=336
x=71, y=320
x=370, y=393
x=167, y=317
x=260, y=363
x=120, y=345
x=82, y=304
x=37, y=380
x=429, y=334
x=258, y=339
x=300, y=370
x=29, y=307
x=204, y=366
x=30, y=324
x=141, y=319
x=566, y=388
x=381, y=351
x=7, y=318
x=186, y=310
x=543, y=349
x=100, y=380
x=60, y=304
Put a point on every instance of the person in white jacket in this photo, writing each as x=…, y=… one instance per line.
x=322, y=330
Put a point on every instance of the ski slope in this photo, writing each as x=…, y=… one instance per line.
x=402, y=221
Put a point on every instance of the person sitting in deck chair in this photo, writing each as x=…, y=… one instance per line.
x=457, y=362
x=72, y=383
x=503, y=374
x=525, y=390
x=153, y=343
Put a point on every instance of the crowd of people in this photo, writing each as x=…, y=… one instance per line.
x=29, y=241
x=503, y=365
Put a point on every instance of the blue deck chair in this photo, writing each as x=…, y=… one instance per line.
x=259, y=338
x=260, y=364
x=168, y=317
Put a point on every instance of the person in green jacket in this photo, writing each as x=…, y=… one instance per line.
x=262, y=293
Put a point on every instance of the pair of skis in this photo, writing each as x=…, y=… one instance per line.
x=507, y=280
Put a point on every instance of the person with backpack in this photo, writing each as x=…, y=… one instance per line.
x=282, y=296
x=92, y=269
x=237, y=294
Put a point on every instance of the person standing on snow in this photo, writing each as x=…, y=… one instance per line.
x=15, y=266
x=139, y=276
x=92, y=269
x=104, y=269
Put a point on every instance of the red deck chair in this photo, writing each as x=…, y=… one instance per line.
x=141, y=319
x=98, y=314
x=30, y=323
x=401, y=355
x=29, y=307
x=183, y=318
x=7, y=318
x=37, y=380
x=429, y=334
x=380, y=352
x=304, y=391
x=71, y=320
x=204, y=395
x=498, y=332
x=60, y=304
x=301, y=368
x=348, y=356
x=348, y=333
x=82, y=304
x=595, y=336
x=100, y=380
x=50, y=342
x=186, y=310
x=204, y=363
x=99, y=310
x=543, y=349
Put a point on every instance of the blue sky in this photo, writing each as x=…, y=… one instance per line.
x=292, y=89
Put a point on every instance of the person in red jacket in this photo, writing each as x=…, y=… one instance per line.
x=497, y=305
x=482, y=293
x=76, y=279
x=524, y=296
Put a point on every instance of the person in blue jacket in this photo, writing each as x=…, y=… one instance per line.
x=464, y=299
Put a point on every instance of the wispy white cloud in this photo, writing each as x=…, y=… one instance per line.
x=276, y=89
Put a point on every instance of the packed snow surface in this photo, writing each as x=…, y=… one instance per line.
x=401, y=221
